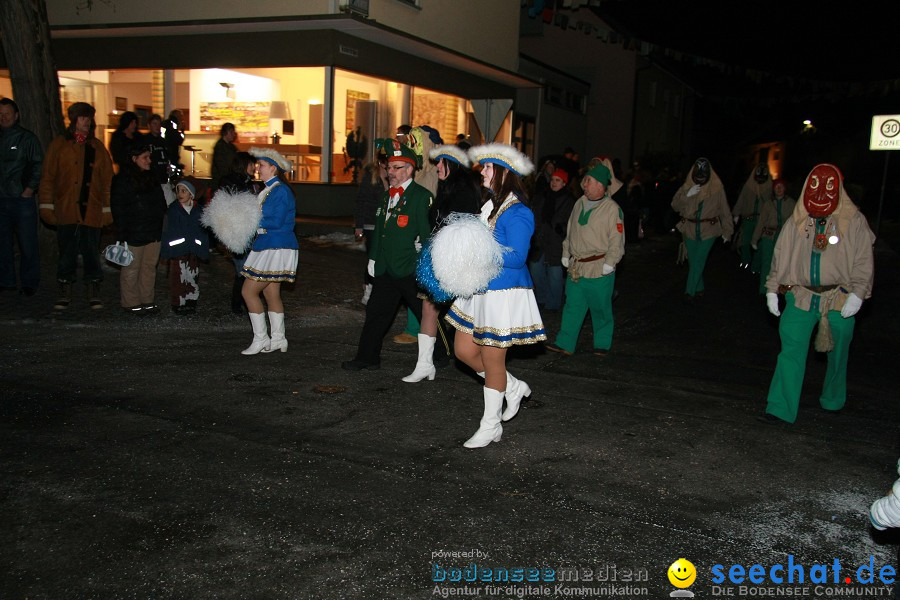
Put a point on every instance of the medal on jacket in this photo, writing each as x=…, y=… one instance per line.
x=820, y=242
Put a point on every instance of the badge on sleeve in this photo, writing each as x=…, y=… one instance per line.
x=402, y=220
x=620, y=228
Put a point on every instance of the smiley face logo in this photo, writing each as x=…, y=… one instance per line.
x=682, y=573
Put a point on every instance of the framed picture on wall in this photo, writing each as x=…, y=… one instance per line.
x=121, y=103
x=143, y=113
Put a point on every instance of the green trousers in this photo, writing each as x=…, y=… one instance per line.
x=748, y=256
x=697, y=253
x=764, y=252
x=585, y=295
x=795, y=329
x=412, y=324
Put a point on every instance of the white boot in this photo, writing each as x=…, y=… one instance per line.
x=424, y=366
x=490, y=429
x=516, y=390
x=260, y=338
x=278, y=341
x=885, y=512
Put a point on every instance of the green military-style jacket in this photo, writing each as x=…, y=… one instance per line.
x=393, y=245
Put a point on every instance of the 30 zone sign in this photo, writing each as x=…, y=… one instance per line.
x=885, y=133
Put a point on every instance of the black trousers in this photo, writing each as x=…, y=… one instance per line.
x=387, y=292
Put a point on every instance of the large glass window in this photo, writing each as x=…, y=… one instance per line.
x=275, y=107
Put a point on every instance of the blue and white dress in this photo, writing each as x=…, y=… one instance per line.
x=506, y=314
x=274, y=254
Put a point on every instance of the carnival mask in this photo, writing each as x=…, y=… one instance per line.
x=700, y=172
x=822, y=191
x=761, y=173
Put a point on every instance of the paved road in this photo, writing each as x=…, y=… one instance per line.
x=147, y=458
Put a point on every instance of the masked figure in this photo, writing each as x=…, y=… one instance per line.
x=705, y=216
x=823, y=264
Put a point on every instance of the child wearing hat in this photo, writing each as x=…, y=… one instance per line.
x=185, y=243
x=594, y=245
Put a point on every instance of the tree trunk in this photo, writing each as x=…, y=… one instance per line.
x=26, y=45
x=25, y=34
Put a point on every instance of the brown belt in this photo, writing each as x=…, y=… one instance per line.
x=816, y=289
x=751, y=217
x=713, y=220
x=591, y=258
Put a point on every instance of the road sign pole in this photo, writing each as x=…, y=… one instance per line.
x=887, y=156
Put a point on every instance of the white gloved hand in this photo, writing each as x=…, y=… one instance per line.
x=754, y=246
x=736, y=219
x=370, y=268
x=772, y=303
x=851, y=306
x=607, y=269
x=418, y=245
x=695, y=189
x=565, y=261
x=726, y=239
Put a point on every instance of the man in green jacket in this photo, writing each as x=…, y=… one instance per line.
x=401, y=226
x=21, y=158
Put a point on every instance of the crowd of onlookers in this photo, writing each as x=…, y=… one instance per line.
x=138, y=187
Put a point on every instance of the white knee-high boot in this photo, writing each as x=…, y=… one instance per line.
x=260, y=337
x=516, y=390
x=490, y=429
x=885, y=512
x=278, y=341
x=424, y=365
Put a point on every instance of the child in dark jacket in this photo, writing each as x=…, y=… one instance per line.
x=185, y=243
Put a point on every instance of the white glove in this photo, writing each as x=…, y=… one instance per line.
x=607, y=269
x=370, y=268
x=726, y=239
x=851, y=306
x=418, y=245
x=565, y=261
x=754, y=246
x=772, y=303
x=736, y=219
x=695, y=189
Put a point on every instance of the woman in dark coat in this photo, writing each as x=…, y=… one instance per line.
x=458, y=192
x=551, y=208
x=138, y=207
x=124, y=138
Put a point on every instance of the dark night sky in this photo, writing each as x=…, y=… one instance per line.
x=840, y=41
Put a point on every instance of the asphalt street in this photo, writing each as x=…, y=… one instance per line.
x=145, y=457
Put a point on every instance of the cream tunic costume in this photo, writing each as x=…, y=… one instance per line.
x=818, y=264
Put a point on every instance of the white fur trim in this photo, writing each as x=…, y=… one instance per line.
x=234, y=218
x=505, y=154
x=451, y=150
x=283, y=163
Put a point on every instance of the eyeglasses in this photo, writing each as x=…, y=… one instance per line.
x=397, y=167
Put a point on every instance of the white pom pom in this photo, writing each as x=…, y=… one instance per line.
x=465, y=255
x=234, y=218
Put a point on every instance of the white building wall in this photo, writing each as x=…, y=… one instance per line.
x=609, y=69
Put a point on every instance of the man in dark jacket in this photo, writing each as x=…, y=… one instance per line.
x=223, y=154
x=401, y=227
x=159, y=155
x=20, y=172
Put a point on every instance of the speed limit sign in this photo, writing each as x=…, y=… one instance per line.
x=885, y=133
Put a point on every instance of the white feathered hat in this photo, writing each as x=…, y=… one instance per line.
x=271, y=156
x=503, y=155
x=450, y=152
